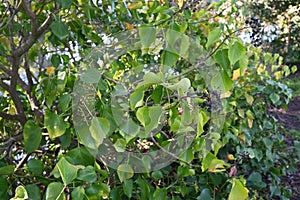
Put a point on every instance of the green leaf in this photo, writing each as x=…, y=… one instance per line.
x=221, y=81
x=20, y=193
x=130, y=130
x=33, y=191
x=7, y=170
x=147, y=36
x=238, y=191
x=35, y=166
x=67, y=171
x=152, y=78
x=143, y=115
x=59, y=29
x=213, y=36
x=213, y=164
x=97, y=191
x=99, y=129
x=182, y=86
x=205, y=195
x=4, y=188
x=64, y=102
x=120, y=145
x=184, y=171
x=87, y=174
x=66, y=4
x=255, y=181
x=78, y=193
x=136, y=99
x=128, y=186
x=274, y=98
x=169, y=58
x=55, y=60
x=91, y=75
x=157, y=175
x=187, y=155
x=55, y=191
x=80, y=156
x=236, y=51
x=160, y=194
x=54, y=124
x=32, y=136
x=157, y=94
x=149, y=117
x=222, y=59
x=203, y=119
x=125, y=172
x=143, y=187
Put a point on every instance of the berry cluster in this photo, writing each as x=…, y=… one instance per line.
x=256, y=31
x=212, y=101
x=193, y=5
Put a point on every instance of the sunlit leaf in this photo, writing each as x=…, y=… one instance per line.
x=238, y=191
x=236, y=51
x=55, y=191
x=59, y=29
x=54, y=124
x=213, y=37
x=125, y=172
x=68, y=172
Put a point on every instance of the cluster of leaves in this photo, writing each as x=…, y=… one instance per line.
x=45, y=156
x=255, y=138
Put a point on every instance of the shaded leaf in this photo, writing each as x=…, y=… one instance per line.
x=35, y=166
x=87, y=174
x=78, y=193
x=59, y=29
x=204, y=195
x=33, y=191
x=7, y=170
x=136, y=99
x=32, y=136
x=147, y=36
x=128, y=186
x=55, y=191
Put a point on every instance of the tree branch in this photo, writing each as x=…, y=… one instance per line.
x=9, y=116
x=34, y=36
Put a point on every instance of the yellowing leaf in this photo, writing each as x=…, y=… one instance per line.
x=11, y=2
x=238, y=191
x=242, y=138
x=99, y=94
x=236, y=74
x=135, y=5
x=180, y=3
x=249, y=98
x=278, y=75
x=225, y=95
x=128, y=26
x=213, y=164
x=50, y=70
x=247, y=88
x=250, y=122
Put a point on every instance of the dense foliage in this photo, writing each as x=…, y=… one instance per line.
x=282, y=25
x=144, y=100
